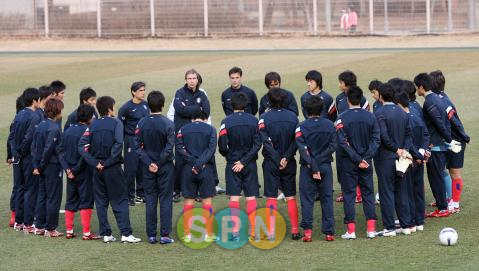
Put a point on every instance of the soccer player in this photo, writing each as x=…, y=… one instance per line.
x=346, y=80
x=396, y=142
x=439, y=127
x=20, y=140
x=414, y=106
x=188, y=100
x=358, y=140
x=273, y=80
x=87, y=96
x=196, y=144
x=79, y=174
x=454, y=161
x=129, y=114
x=235, y=75
x=374, y=89
x=154, y=143
x=101, y=146
x=314, y=79
x=239, y=141
x=277, y=128
x=47, y=166
x=58, y=88
x=415, y=176
x=316, y=140
x=46, y=93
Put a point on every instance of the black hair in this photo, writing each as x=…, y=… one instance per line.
x=239, y=101
x=53, y=108
x=156, y=101
x=86, y=94
x=104, y=104
x=236, y=70
x=387, y=92
x=315, y=76
x=410, y=89
x=57, y=86
x=423, y=80
x=270, y=77
x=200, y=114
x=348, y=77
x=355, y=94
x=374, y=85
x=45, y=92
x=85, y=113
x=438, y=81
x=313, y=106
x=19, y=103
x=396, y=83
x=136, y=86
x=276, y=97
x=29, y=95
x=401, y=98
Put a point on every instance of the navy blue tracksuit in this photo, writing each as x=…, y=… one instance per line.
x=73, y=119
x=277, y=129
x=376, y=105
x=358, y=139
x=416, y=109
x=102, y=143
x=239, y=140
x=395, y=134
x=130, y=113
x=79, y=189
x=439, y=127
x=25, y=182
x=327, y=103
x=10, y=156
x=289, y=103
x=48, y=159
x=316, y=142
x=415, y=176
x=186, y=103
x=154, y=143
x=196, y=144
x=251, y=107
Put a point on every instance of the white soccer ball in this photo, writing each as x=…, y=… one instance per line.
x=448, y=237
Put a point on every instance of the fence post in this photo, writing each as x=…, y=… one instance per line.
x=98, y=18
x=315, y=17
x=449, y=16
x=428, y=16
x=371, y=17
x=386, y=18
x=205, y=17
x=152, y=17
x=46, y=19
x=472, y=14
x=328, y=16
x=260, y=17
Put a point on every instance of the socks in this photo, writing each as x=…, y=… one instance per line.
x=69, y=220
x=271, y=204
x=186, y=218
x=250, y=209
x=371, y=225
x=12, y=217
x=234, y=206
x=293, y=215
x=209, y=220
x=351, y=227
x=448, y=183
x=85, y=216
x=457, y=189
x=358, y=193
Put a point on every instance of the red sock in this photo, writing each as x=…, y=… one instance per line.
x=69, y=218
x=358, y=192
x=371, y=225
x=12, y=217
x=293, y=215
x=271, y=204
x=251, y=209
x=85, y=216
x=457, y=189
x=209, y=218
x=186, y=218
x=234, y=206
x=351, y=227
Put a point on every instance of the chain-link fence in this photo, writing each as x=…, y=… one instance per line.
x=106, y=18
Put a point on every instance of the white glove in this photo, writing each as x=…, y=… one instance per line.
x=454, y=146
x=402, y=165
x=422, y=151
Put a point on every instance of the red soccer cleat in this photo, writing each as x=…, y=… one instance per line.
x=53, y=234
x=359, y=199
x=39, y=232
x=70, y=235
x=28, y=229
x=91, y=236
x=329, y=237
x=308, y=236
x=340, y=198
x=437, y=213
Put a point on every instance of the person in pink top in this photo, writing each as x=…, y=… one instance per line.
x=352, y=20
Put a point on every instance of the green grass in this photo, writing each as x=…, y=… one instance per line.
x=112, y=74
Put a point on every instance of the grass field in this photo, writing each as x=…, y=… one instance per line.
x=112, y=74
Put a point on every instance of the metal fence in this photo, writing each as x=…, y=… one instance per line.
x=164, y=18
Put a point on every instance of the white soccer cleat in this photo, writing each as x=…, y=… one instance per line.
x=387, y=233
x=371, y=234
x=420, y=228
x=108, y=239
x=405, y=231
x=413, y=229
x=130, y=239
x=349, y=236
